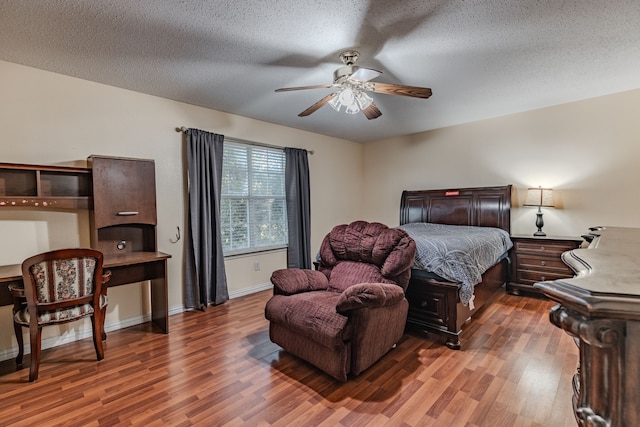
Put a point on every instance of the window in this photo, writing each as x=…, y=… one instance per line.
x=253, y=206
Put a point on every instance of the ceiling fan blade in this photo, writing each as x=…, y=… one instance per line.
x=364, y=74
x=286, y=89
x=393, y=89
x=318, y=104
x=372, y=112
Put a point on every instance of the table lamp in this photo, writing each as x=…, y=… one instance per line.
x=539, y=197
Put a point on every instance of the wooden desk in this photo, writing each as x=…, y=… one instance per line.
x=8, y=274
x=127, y=268
x=600, y=308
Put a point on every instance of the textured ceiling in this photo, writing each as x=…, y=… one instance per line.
x=482, y=58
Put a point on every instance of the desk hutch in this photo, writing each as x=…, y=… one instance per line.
x=120, y=194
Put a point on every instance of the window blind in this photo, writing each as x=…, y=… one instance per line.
x=253, y=206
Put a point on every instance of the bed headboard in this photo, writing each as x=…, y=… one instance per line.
x=480, y=206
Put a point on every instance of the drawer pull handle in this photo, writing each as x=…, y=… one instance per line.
x=543, y=263
x=542, y=248
x=127, y=213
x=543, y=278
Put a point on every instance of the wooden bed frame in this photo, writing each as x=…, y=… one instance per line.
x=434, y=305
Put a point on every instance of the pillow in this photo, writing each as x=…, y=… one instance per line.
x=348, y=273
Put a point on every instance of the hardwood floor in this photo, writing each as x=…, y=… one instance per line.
x=218, y=367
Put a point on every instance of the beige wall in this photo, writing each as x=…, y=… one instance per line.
x=47, y=118
x=588, y=151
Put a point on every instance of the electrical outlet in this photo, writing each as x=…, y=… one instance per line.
x=256, y=266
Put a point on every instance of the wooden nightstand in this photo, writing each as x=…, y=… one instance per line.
x=536, y=259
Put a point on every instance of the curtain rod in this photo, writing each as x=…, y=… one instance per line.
x=260, y=144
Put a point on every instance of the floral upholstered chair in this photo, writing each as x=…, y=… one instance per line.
x=59, y=286
x=346, y=315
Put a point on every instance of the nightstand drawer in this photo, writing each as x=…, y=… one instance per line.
x=532, y=262
x=554, y=249
x=531, y=277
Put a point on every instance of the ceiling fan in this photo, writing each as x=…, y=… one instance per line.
x=353, y=83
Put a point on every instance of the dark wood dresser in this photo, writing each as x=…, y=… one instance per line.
x=600, y=308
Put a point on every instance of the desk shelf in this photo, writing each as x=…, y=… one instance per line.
x=47, y=187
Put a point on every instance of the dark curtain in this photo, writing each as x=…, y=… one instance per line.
x=205, y=279
x=298, y=208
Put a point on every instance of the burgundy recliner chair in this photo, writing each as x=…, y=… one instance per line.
x=346, y=315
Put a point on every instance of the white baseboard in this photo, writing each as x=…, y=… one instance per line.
x=174, y=310
x=251, y=290
x=80, y=334
x=66, y=338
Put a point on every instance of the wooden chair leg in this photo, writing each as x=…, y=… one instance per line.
x=103, y=316
x=18, y=302
x=36, y=351
x=18, y=330
x=97, y=325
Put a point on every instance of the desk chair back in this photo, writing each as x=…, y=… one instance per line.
x=61, y=286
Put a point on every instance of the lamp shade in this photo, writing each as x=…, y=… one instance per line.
x=539, y=197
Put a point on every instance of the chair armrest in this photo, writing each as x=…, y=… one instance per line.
x=17, y=291
x=369, y=295
x=289, y=281
x=106, y=276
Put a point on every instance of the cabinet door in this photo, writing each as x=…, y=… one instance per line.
x=124, y=191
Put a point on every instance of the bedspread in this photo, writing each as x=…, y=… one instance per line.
x=458, y=253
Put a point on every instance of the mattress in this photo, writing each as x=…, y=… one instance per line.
x=458, y=253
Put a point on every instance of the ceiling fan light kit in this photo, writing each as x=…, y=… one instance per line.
x=353, y=82
x=353, y=101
